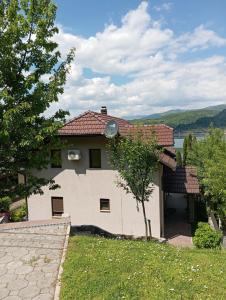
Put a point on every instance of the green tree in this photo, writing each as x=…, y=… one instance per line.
x=188, y=144
x=179, y=158
x=185, y=150
x=32, y=76
x=189, y=141
x=209, y=155
x=136, y=159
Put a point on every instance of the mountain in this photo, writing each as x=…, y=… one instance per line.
x=217, y=107
x=218, y=120
x=187, y=120
x=154, y=116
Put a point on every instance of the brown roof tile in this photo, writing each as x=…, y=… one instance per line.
x=168, y=161
x=92, y=123
x=163, y=132
x=182, y=180
x=171, y=150
x=89, y=123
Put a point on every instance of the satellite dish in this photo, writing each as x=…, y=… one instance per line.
x=111, y=129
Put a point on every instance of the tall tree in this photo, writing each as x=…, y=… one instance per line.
x=136, y=159
x=185, y=150
x=188, y=144
x=179, y=158
x=209, y=155
x=32, y=76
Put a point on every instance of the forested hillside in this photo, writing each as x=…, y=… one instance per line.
x=191, y=120
x=219, y=121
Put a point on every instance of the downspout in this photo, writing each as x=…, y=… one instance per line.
x=121, y=213
x=26, y=202
x=161, y=198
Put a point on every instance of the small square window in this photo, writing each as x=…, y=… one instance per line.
x=95, y=158
x=105, y=205
x=57, y=206
x=56, y=159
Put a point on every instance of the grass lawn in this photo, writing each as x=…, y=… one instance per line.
x=99, y=268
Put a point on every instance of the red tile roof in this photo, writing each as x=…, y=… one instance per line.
x=92, y=123
x=163, y=132
x=182, y=180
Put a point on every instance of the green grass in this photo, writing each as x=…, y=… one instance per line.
x=98, y=268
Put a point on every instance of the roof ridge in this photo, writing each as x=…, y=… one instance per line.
x=150, y=125
x=76, y=118
x=161, y=124
x=164, y=125
x=97, y=116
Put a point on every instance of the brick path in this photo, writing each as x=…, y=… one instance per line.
x=30, y=255
x=178, y=231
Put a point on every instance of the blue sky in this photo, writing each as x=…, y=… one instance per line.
x=143, y=57
x=88, y=17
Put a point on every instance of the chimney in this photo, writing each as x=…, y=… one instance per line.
x=103, y=110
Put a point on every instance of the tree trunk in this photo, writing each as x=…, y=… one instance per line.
x=145, y=221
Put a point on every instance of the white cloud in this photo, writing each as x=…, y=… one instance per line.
x=146, y=57
x=201, y=38
x=163, y=7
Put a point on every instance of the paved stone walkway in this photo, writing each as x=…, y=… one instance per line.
x=178, y=231
x=29, y=259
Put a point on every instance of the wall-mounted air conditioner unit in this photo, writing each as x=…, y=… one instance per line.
x=74, y=154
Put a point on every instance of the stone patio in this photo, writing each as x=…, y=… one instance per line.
x=178, y=231
x=30, y=256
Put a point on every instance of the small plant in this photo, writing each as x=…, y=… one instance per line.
x=47, y=260
x=32, y=262
x=5, y=204
x=207, y=237
x=19, y=214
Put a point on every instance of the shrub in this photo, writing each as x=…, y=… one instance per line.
x=207, y=237
x=19, y=214
x=5, y=204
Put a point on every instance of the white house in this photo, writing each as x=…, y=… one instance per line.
x=88, y=191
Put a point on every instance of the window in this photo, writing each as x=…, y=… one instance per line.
x=57, y=206
x=105, y=205
x=94, y=158
x=56, y=159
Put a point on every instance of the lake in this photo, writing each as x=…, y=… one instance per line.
x=179, y=141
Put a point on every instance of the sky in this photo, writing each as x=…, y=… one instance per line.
x=142, y=57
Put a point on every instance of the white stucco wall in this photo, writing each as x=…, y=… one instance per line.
x=82, y=188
